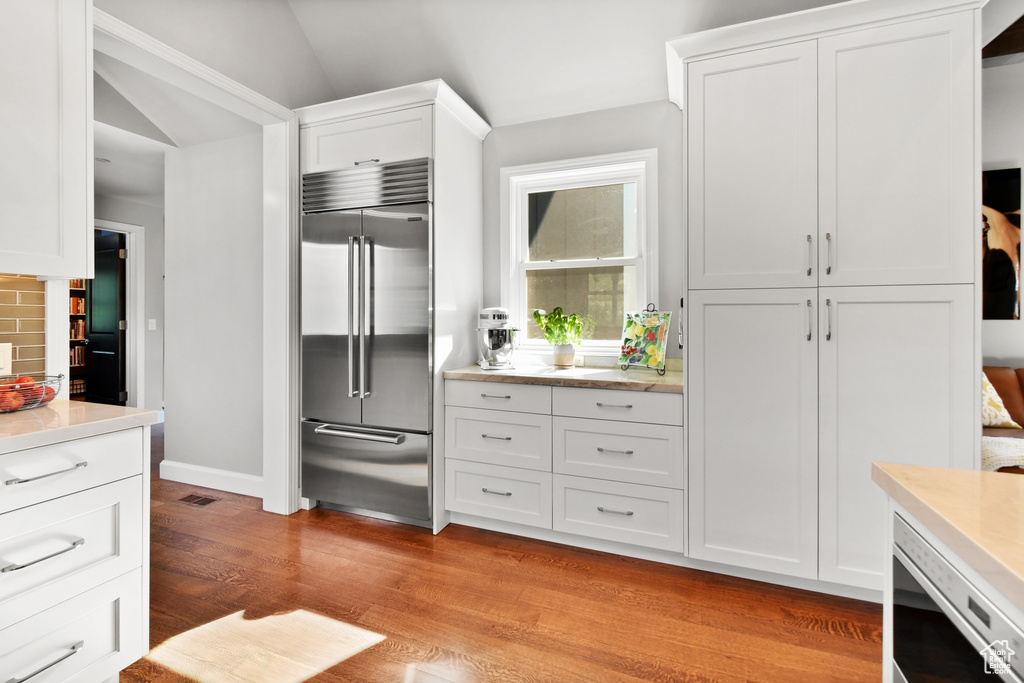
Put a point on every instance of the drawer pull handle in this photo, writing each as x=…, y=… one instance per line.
x=74, y=649
x=614, y=405
x=16, y=567
x=497, y=438
x=627, y=513
x=494, y=396
x=497, y=493
x=368, y=161
x=612, y=450
x=12, y=482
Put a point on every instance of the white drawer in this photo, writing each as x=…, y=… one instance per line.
x=628, y=513
x=52, y=551
x=37, y=474
x=106, y=621
x=498, y=438
x=505, y=493
x=619, y=451
x=610, y=404
x=380, y=138
x=521, y=398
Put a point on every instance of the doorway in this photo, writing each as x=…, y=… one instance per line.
x=106, y=322
x=107, y=344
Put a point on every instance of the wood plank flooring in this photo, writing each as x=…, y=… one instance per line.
x=243, y=595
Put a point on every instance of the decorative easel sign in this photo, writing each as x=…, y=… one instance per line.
x=644, y=338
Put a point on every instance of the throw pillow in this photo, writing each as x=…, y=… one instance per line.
x=1001, y=451
x=993, y=412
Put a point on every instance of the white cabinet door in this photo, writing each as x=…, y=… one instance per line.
x=752, y=169
x=46, y=136
x=368, y=140
x=897, y=171
x=753, y=378
x=897, y=386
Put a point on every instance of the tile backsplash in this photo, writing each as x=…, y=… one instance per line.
x=22, y=319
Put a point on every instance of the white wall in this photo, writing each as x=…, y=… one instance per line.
x=151, y=218
x=642, y=126
x=213, y=307
x=1002, y=137
x=256, y=42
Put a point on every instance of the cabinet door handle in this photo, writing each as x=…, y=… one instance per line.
x=626, y=513
x=15, y=567
x=679, y=328
x=494, y=396
x=497, y=438
x=828, y=253
x=368, y=161
x=76, y=466
x=810, y=320
x=497, y=493
x=810, y=255
x=610, y=450
x=74, y=649
x=828, y=311
x=614, y=405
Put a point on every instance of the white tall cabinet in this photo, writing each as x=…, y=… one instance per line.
x=46, y=137
x=832, y=201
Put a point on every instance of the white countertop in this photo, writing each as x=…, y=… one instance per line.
x=979, y=515
x=62, y=420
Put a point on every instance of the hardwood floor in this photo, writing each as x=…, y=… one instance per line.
x=243, y=595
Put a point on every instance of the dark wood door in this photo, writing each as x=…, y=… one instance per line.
x=106, y=322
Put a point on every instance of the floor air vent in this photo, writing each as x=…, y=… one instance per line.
x=197, y=500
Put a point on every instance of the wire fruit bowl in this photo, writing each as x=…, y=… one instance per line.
x=21, y=392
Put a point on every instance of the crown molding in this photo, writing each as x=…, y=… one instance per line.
x=435, y=92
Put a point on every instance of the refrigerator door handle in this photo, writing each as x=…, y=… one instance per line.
x=351, y=305
x=328, y=430
x=365, y=308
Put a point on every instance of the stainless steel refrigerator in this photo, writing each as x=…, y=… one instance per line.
x=367, y=362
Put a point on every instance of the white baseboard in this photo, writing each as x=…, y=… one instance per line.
x=208, y=477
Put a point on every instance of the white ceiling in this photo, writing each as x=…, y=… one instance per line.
x=516, y=60
x=513, y=61
x=134, y=168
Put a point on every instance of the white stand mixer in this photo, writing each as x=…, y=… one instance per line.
x=496, y=339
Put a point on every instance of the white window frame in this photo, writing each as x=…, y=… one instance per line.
x=518, y=182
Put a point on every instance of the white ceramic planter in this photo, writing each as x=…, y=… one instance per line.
x=564, y=355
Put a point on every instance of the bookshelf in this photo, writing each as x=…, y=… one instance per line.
x=76, y=339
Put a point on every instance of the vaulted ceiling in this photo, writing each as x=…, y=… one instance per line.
x=512, y=60
x=515, y=60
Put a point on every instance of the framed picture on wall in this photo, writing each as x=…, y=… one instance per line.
x=1000, y=244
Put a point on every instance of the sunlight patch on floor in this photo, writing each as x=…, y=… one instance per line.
x=284, y=648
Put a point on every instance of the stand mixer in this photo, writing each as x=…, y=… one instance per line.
x=496, y=339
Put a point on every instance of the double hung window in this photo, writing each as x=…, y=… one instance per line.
x=580, y=234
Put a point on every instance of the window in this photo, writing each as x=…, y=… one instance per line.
x=575, y=234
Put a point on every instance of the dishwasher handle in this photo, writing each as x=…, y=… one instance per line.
x=382, y=437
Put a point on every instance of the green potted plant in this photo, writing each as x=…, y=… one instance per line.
x=563, y=332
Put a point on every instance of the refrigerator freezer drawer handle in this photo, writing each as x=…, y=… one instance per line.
x=362, y=436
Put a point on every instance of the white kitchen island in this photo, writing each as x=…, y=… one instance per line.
x=974, y=523
x=74, y=541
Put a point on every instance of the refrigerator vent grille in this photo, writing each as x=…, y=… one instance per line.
x=400, y=182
